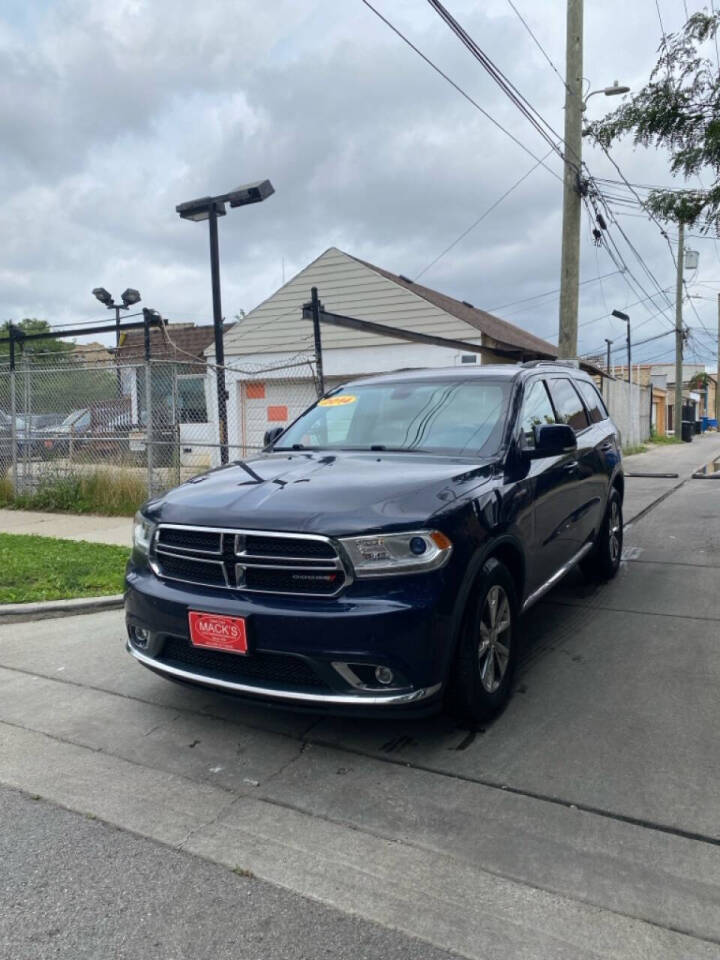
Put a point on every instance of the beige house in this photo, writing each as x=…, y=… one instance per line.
x=269, y=353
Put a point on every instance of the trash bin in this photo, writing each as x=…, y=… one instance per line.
x=697, y=426
x=705, y=423
x=688, y=428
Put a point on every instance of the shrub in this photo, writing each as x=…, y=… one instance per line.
x=110, y=493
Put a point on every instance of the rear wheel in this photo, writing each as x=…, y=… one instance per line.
x=486, y=654
x=603, y=562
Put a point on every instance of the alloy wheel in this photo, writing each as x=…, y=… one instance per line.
x=494, y=645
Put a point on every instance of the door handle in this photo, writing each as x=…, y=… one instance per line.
x=571, y=466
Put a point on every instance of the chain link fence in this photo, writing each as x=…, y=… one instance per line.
x=147, y=425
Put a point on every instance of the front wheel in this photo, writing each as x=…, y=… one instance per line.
x=487, y=649
x=603, y=561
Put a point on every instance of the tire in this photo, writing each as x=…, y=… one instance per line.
x=603, y=561
x=486, y=655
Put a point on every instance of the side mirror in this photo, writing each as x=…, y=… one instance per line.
x=272, y=435
x=552, y=440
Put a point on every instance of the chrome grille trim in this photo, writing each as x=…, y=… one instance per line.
x=236, y=558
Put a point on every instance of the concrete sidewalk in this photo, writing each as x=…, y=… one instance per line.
x=68, y=526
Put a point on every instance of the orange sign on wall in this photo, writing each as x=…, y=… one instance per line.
x=277, y=414
x=255, y=391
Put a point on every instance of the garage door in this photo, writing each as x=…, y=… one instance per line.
x=265, y=404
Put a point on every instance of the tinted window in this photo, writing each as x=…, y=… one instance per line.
x=568, y=404
x=455, y=417
x=537, y=409
x=593, y=401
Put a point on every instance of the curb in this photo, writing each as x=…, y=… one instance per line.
x=47, y=609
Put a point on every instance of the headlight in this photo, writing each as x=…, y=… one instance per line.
x=395, y=553
x=143, y=530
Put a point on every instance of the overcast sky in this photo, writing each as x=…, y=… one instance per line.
x=111, y=113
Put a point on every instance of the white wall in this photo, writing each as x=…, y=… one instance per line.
x=616, y=394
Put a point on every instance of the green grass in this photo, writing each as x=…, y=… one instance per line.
x=657, y=439
x=636, y=448
x=111, y=494
x=44, y=568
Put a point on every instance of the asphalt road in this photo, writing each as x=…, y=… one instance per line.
x=582, y=824
x=74, y=887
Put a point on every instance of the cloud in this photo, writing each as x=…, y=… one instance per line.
x=114, y=113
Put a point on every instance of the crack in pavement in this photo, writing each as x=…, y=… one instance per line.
x=236, y=798
x=490, y=784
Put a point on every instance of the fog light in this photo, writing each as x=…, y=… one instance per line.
x=384, y=675
x=141, y=636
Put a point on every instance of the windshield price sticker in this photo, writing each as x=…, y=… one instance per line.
x=338, y=401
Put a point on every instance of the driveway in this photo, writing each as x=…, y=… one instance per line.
x=583, y=823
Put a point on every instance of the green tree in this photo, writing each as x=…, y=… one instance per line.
x=34, y=347
x=678, y=109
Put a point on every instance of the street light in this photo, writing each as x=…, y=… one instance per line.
x=624, y=317
x=614, y=91
x=129, y=298
x=210, y=208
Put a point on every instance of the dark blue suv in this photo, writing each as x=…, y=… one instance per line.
x=378, y=554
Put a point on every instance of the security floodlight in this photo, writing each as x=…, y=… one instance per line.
x=210, y=208
x=615, y=90
x=200, y=209
x=103, y=296
x=250, y=193
x=130, y=297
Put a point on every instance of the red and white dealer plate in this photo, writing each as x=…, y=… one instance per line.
x=216, y=632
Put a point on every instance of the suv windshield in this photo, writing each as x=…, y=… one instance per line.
x=450, y=417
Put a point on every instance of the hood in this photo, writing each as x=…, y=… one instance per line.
x=335, y=494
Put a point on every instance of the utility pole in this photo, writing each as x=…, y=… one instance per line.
x=609, y=344
x=677, y=412
x=572, y=201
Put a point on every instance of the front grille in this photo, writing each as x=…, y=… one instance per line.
x=273, y=668
x=182, y=538
x=249, y=560
x=256, y=546
x=192, y=570
x=278, y=580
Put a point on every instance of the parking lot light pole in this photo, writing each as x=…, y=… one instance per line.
x=210, y=208
x=129, y=298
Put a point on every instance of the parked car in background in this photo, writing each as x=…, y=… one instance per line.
x=378, y=555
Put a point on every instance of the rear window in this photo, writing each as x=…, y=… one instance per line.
x=593, y=401
x=568, y=405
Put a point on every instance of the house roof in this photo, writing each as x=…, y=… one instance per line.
x=500, y=330
x=184, y=342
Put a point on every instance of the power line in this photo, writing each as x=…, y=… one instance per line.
x=483, y=215
x=550, y=293
x=459, y=89
x=533, y=116
x=540, y=47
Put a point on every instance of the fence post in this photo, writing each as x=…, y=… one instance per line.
x=176, y=421
x=147, y=314
x=315, y=305
x=13, y=409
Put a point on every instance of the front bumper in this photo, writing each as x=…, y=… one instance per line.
x=403, y=631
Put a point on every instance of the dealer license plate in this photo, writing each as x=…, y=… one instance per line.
x=215, y=632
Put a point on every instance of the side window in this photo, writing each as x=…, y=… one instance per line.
x=536, y=410
x=593, y=401
x=568, y=404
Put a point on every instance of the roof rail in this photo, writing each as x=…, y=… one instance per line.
x=574, y=364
